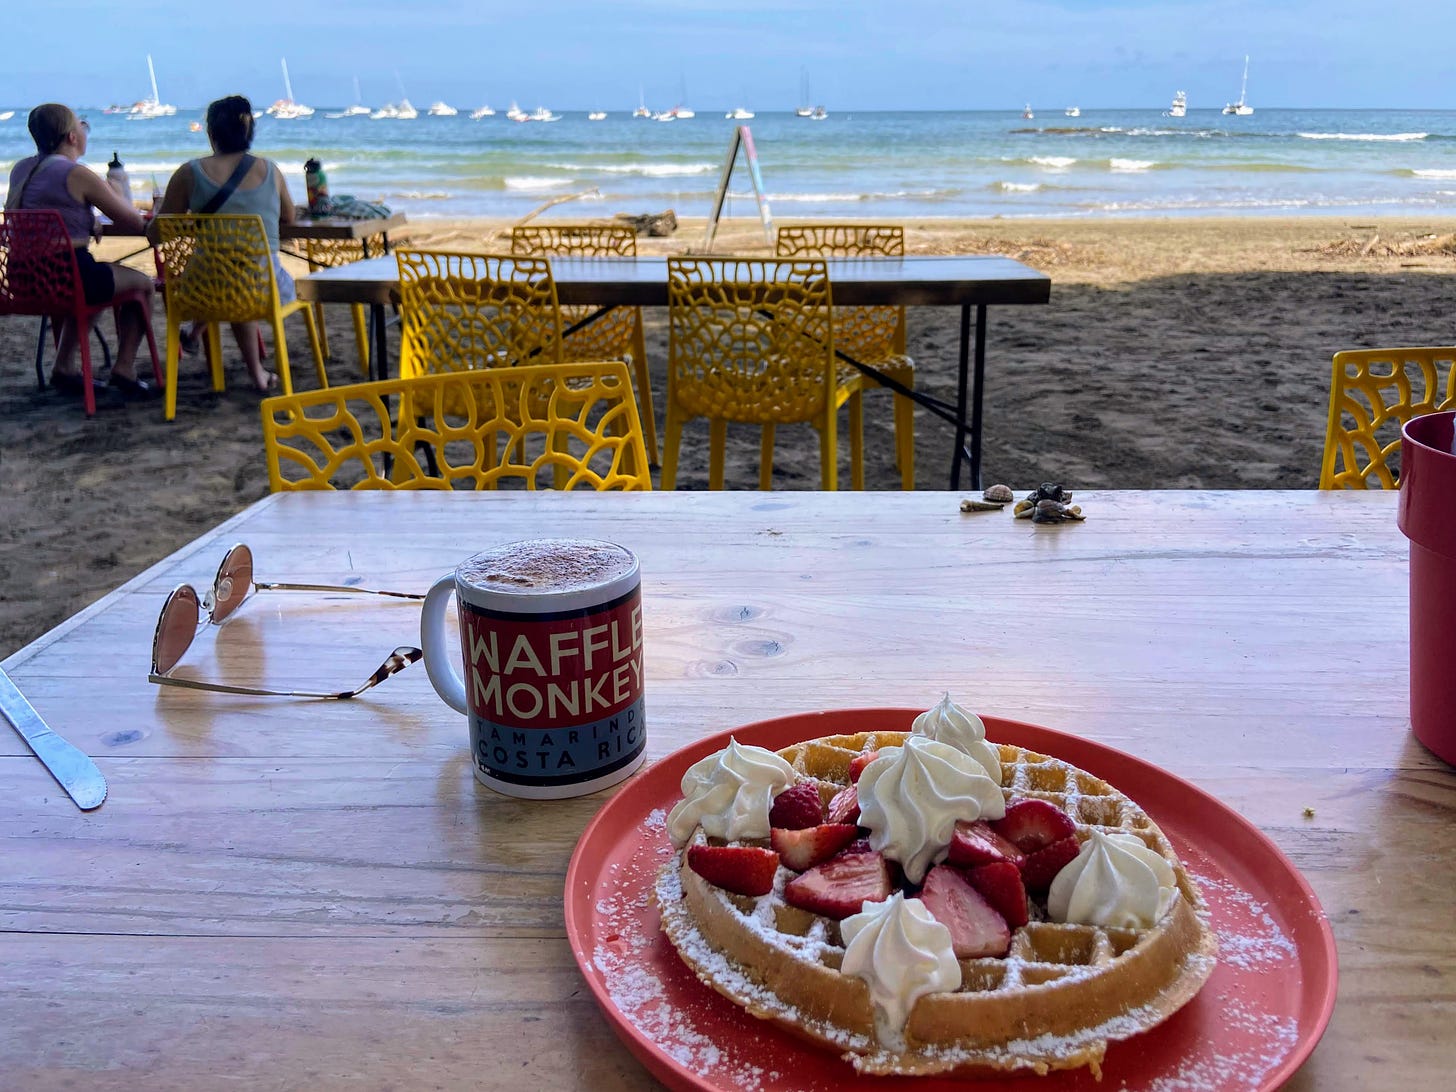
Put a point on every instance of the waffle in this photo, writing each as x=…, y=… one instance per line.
x=1053, y=1002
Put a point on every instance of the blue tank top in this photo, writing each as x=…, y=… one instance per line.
x=262, y=200
x=46, y=189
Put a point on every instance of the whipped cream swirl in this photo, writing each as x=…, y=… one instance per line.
x=963, y=730
x=729, y=794
x=1114, y=881
x=910, y=798
x=902, y=953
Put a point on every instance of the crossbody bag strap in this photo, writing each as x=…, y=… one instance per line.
x=226, y=190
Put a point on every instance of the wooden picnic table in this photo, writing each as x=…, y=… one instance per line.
x=283, y=893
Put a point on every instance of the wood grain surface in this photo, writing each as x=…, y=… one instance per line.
x=287, y=893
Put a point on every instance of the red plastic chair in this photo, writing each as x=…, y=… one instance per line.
x=39, y=276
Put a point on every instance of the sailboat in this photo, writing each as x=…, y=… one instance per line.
x=481, y=112
x=153, y=107
x=739, y=113
x=285, y=108
x=1073, y=111
x=1180, y=105
x=1241, y=108
x=641, y=111
x=804, y=110
x=1026, y=113
x=355, y=111
x=441, y=110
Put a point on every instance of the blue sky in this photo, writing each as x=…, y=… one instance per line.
x=859, y=54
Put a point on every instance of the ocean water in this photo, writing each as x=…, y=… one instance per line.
x=1105, y=163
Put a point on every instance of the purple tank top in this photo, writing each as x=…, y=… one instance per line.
x=47, y=190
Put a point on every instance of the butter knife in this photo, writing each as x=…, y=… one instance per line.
x=77, y=774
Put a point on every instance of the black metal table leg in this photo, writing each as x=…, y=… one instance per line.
x=976, y=415
x=379, y=344
x=961, y=393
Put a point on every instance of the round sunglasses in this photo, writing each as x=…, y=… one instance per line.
x=181, y=620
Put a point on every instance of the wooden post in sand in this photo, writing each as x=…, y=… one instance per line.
x=742, y=138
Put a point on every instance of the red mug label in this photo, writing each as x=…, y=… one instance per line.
x=555, y=699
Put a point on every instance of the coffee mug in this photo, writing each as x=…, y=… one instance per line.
x=551, y=640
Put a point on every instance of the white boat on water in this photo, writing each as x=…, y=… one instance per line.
x=406, y=111
x=1073, y=111
x=804, y=110
x=818, y=114
x=1026, y=113
x=388, y=110
x=543, y=114
x=641, y=111
x=739, y=113
x=153, y=107
x=1241, y=108
x=481, y=112
x=441, y=110
x=1180, y=105
x=355, y=111
x=515, y=113
x=597, y=115
x=6, y=115
x=285, y=108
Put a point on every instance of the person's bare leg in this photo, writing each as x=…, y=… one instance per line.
x=246, y=334
x=130, y=319
x=66, y=350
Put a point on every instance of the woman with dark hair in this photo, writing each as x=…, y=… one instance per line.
x=250, y=186
x=54, y=179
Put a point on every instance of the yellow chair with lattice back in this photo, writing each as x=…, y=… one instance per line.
x=573, y=424
x=752, y=341
x=614, y=335
x=219, y=268
x=1373, y=393
x=871, y=335
x=326, y=254
x=460, y=311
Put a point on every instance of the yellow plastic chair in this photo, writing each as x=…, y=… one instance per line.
x=616, y=335
x=752, y=341
x=871, y=335
x=1373, y=393
x=460, y=311
x=219, y=269
x=572, y=425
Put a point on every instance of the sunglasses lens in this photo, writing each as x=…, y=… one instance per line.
x=234, y=582
x=175, y=630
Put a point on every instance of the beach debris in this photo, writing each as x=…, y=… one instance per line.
x=981, y=506
x=1398, y=245
x=1309, y=813
x=1000, y=493
x=653, y=224
x=1049, y=503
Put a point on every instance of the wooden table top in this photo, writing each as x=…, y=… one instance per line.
x=337, y=228
x=318, y=893
x=642, y=281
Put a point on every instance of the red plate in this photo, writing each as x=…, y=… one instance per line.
x=1251, y=1026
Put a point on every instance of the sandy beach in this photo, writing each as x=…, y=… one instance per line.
x=1177, y=353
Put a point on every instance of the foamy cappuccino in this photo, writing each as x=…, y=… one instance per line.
x=551, y=640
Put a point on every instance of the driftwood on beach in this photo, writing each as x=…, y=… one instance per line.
x=655, y=224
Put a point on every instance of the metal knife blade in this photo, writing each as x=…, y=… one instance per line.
x=77, y=774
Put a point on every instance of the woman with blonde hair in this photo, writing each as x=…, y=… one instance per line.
x=54, y=179
x=234, y=182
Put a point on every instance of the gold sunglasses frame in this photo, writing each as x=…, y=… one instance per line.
x=221, y=592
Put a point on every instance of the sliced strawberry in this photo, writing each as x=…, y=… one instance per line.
x=797, y=807
x=1033, y=825
x=976, y=843
x=803, y=849
x=844, y=808
x=976, y=929
x=859, y=762
x=1041, y=868
x=1000, y=884
x=744, y=870
x=841, y=885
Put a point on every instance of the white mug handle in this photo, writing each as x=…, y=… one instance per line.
x=438, y=661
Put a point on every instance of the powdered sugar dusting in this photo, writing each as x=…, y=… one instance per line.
x=1265, y=1041
x=1248, y=937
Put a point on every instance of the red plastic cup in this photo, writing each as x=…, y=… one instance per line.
x=1427, y=516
